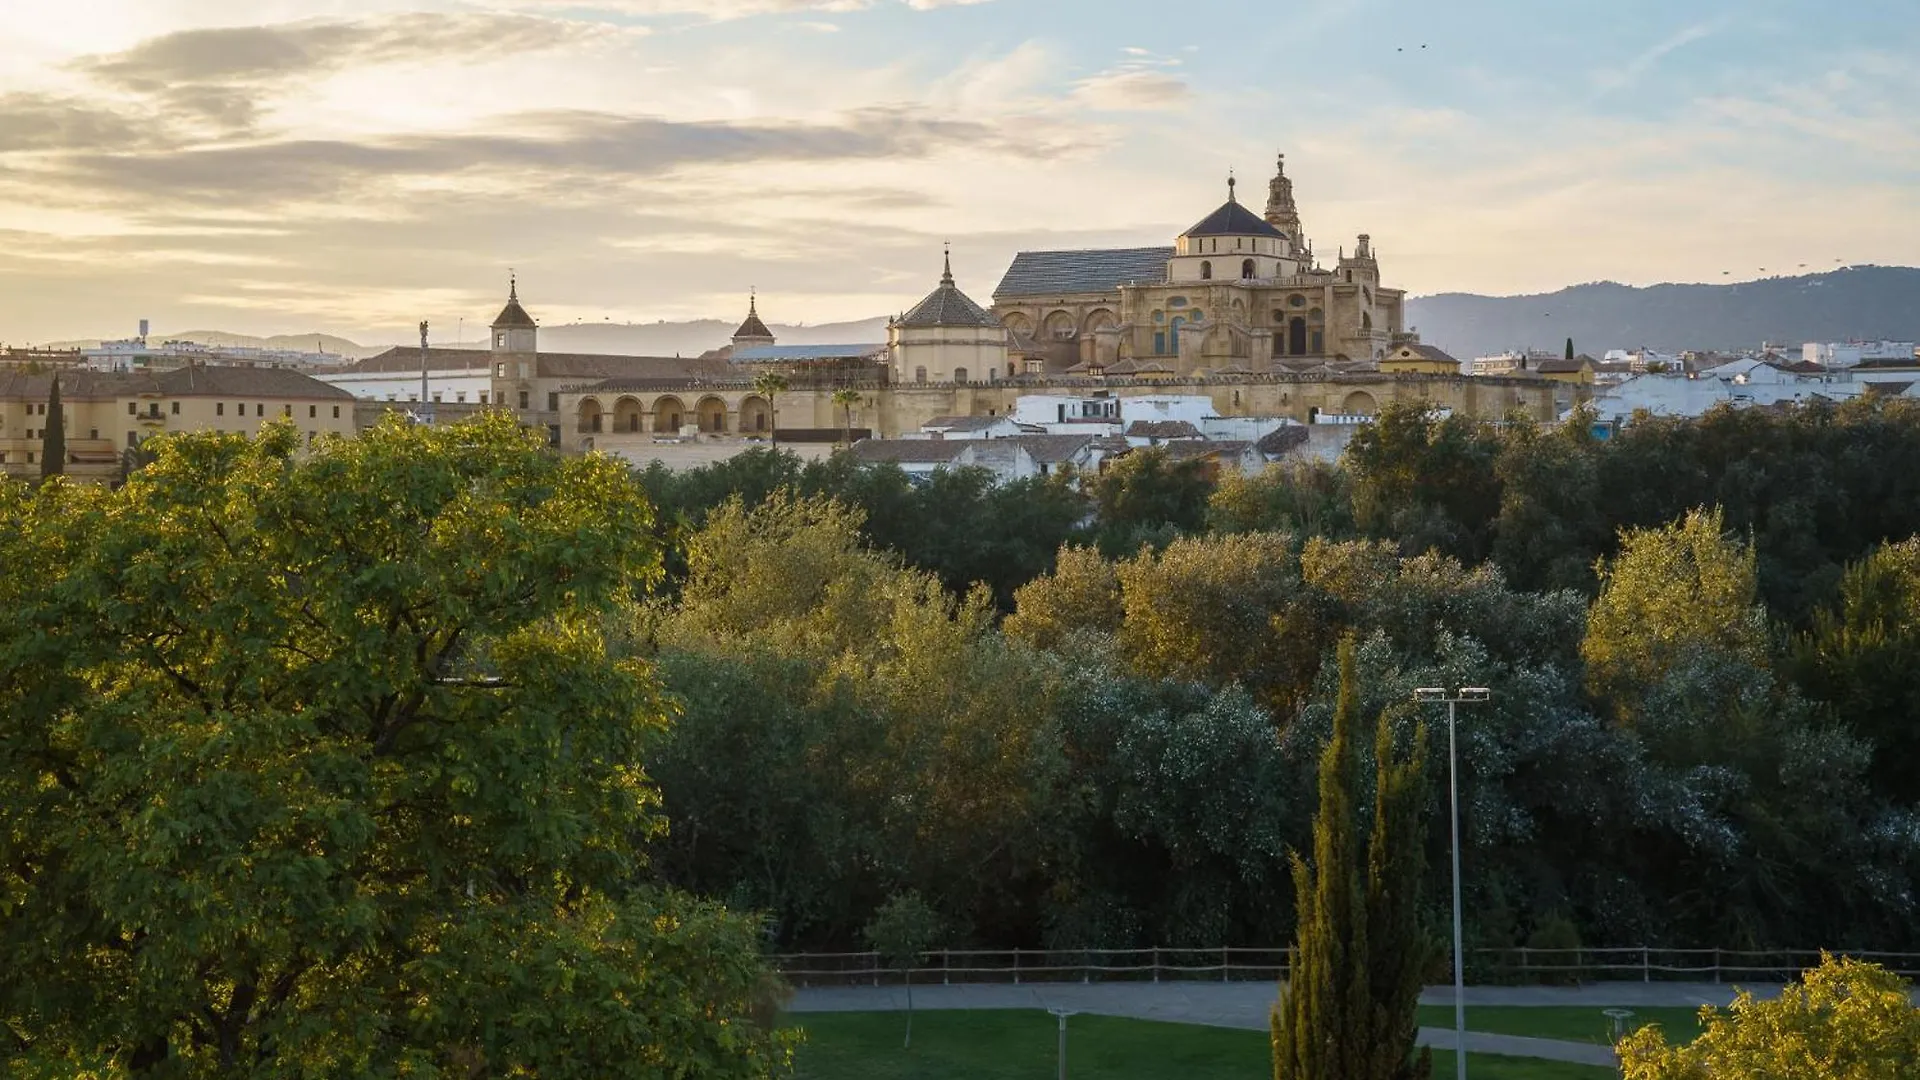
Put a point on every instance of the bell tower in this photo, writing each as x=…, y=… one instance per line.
x=514, y=331
x=1282, y=214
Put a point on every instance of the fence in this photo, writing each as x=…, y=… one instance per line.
x=1227, y=964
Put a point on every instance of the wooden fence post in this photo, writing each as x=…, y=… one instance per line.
x=1225, y=961
x=1156, y=963
x=1016, y=967
x=1646, y=965
x=1716, y=965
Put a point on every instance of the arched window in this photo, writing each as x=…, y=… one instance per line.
x=919, y=374
x=1366, y=321
x=1206, y=271
x=1246, y=268
x=959, y=374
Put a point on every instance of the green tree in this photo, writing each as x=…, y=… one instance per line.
x=318, y=764
x=1569, y=348
x=53, y=438
x=1081, y=595
x=770, y=385
x=1360, y=954
x=1672, y=592
x=1859, y=658
x=1304, y=496
x=1426, y=481
x=1845, y=1020
x=846, y=398
x=902, y=932
x=1147, y=493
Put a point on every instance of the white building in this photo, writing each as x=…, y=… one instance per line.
x=1741, y=383
x=1851, y=353
x=389, y=378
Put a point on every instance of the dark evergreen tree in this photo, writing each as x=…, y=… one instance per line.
x=1569, y=348
x=1360, y=956
x=53, y=437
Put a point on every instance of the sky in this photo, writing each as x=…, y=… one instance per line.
x=354, y=166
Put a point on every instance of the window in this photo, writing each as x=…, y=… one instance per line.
x=313, y=411
x=523, y=399
x=1246, y=268
x=259, y=408
x=500, y=371
x=1296, y=300
x=460, y=395
x=132, y=409
x=93, y=433
x=132, y=439
x=500, y=342
x=1159, y=343
x=960, y=375
x=919, y=374
x=176, y=408
x=336, y=412
x=1177, y=301
x=286, y=410
x=42, y=408
x=29, y=457
x=1206, y=271
x=219, y=408
x=437, y=395
x=553, y=402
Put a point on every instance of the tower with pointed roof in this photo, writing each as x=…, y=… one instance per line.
x=514, y=331
x=1232, y=243
x=752, y=332
x=948, y=338
x=1282, y=213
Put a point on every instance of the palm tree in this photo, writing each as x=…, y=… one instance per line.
x=846, y=397
x=769, y=384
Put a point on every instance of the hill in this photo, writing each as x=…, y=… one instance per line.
x=328, y=343
x=1858, y=302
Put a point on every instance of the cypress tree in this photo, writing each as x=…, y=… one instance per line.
x=1360, y=955
x=1569, y=348
x=53, y=438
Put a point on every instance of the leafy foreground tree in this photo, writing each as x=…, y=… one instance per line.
x=1846, y=1021
x=902, y=932
x=318, y=766
x=1360, y=955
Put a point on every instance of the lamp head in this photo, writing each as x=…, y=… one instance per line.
x=1430, y=693
x=1475, y=693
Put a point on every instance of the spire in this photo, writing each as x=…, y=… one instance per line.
x=1231, y=184
x=513, y=285
x=1282, y=214
x=946, y=276
x=753, y=332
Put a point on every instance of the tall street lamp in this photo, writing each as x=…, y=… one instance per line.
x=1453, y=699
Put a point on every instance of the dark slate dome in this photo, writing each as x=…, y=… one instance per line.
x=1232, y=219
x=947, y=306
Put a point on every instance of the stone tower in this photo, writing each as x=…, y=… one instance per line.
x=1282, y=214
x=752, y=332
x=514, y=331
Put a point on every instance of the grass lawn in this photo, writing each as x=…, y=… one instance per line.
x=1019, y=1045
x=1575, y=1024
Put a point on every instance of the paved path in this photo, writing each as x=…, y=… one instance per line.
x=1246, y=1004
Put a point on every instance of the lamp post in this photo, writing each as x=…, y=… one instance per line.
x=1061, y=1059
x=1427, y=694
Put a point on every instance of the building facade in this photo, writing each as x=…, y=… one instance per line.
x=1235, y=293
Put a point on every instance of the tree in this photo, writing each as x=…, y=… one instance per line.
x=1145, y=492
x=770, y=385
x=1360, y=955
x=902, y=932
x=1672, y=592
x=846, y=398
x=1081, y=595
x=1569, y=348
x=1845, y=1020
x=53, y=438
x=319, y=764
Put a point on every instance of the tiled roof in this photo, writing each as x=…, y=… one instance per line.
x=1558, y=367
x=765, y=354
x=909, y=451
x=947, y=306
x=513, y=316
x=753, y=328
x=198, y=380
x=1162, y=429
x=1178, y=451
x=551, y=365
x=963, y=423
x=1053, y=449
x=1232, y=219
x=1036, y=273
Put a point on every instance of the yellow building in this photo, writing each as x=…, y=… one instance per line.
x=1414, y=358
x=108, y=413
x=1579, y=371
x=948, y=338
x=1237, y=291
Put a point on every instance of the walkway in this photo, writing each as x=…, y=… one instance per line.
x=1246, y=1005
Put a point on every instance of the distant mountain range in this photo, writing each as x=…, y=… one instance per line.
x=1860, y=302
x=1856, y=303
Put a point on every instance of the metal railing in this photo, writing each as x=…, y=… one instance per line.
x=1641, y=963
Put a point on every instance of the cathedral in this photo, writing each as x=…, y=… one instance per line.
x=1239, y=293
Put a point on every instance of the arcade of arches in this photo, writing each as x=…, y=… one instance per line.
x=667, y=414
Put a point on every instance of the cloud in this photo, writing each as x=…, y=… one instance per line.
x=720, y=10
x=1631, y=72
x=41, y=122
x=220, y=75
x=1140, y=82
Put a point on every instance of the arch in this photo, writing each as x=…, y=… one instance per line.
x=1017, y=323
x=592, y=417
x=756, y=415
x=1297, y=336
x=1099, y=319
x=1206, y=271
x=960, y=375
x=1366, y=321
x=1060, y=325
x=712, y=412
x=628, y=415
x=1246, y=268
x=1173, y=339
x=1317, y=331
x=668, y=414
x=1360, y=403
